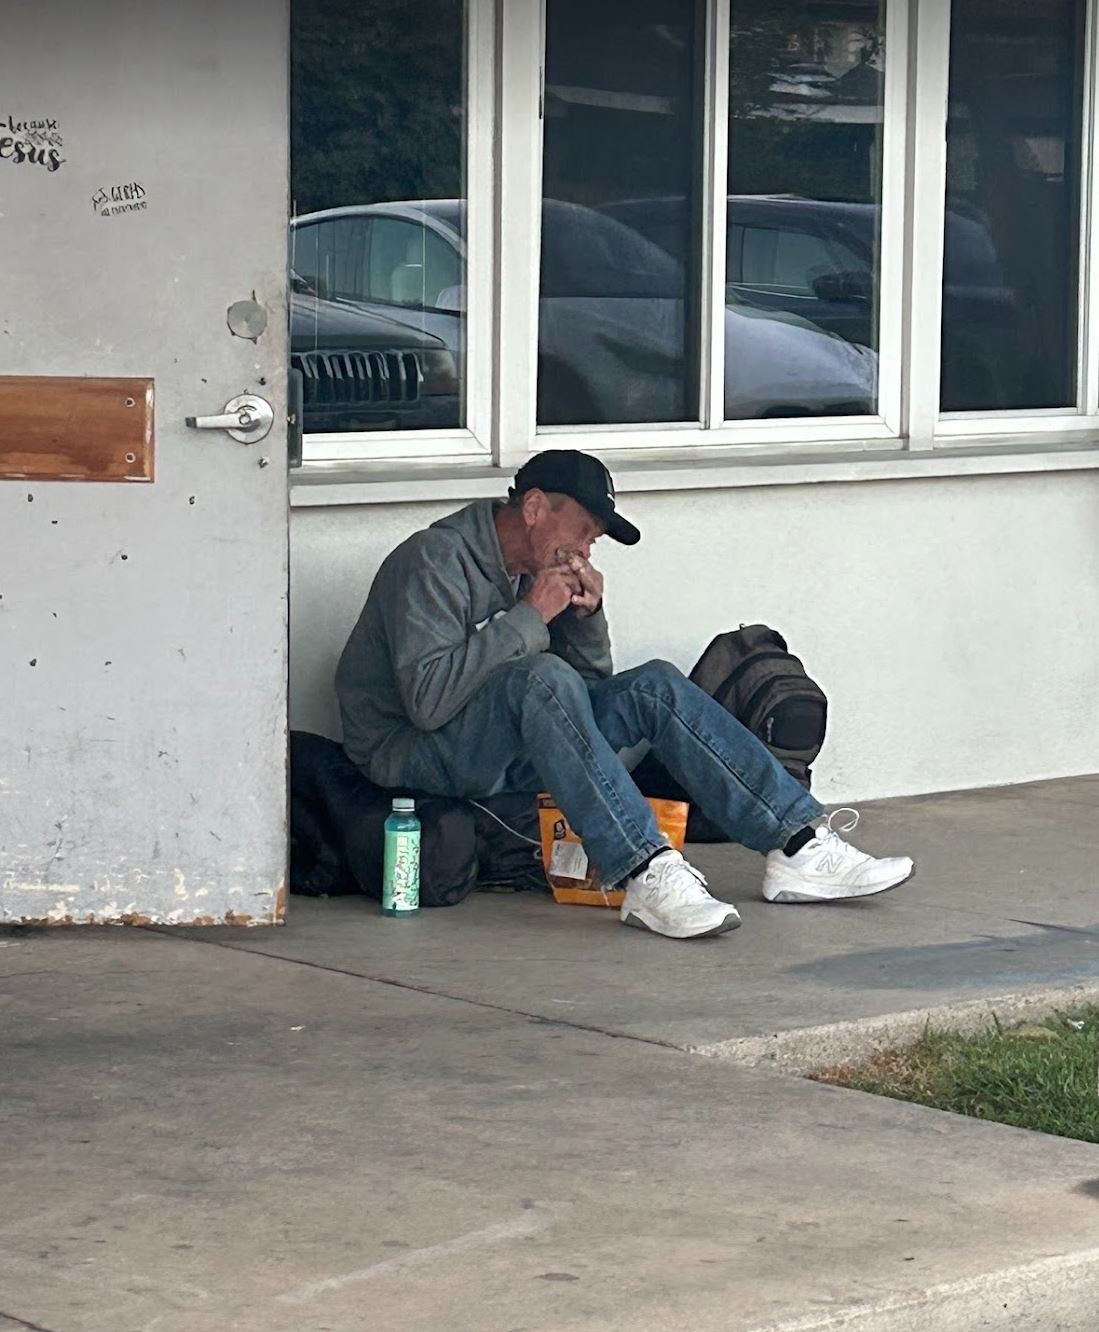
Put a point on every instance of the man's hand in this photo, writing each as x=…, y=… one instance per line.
x=553, y=590
x=590, y=596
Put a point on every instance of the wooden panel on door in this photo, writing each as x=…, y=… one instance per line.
x=61, y=428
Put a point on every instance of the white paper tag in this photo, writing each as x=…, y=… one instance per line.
x=568, y=861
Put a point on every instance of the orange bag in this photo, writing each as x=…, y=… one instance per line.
x=570, y=876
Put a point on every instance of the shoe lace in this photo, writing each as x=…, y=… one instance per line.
x=849, y=826
x=677, y=878
x=828, y=836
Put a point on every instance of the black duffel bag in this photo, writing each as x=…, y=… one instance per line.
x=337, y=833
x=337, y=830
x=509, y=844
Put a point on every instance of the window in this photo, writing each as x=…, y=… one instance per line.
x=377, y=253
x=1012, y=239
x=658, y=225
x=806, y=99
x=619, y=309
x=624, y=132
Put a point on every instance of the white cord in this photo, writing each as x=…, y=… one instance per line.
x=506, y=826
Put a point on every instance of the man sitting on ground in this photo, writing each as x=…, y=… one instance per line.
x=481, y=663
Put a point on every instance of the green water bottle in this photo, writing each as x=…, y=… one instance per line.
x=401, y=876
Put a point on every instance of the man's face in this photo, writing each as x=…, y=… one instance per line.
x=558, y=522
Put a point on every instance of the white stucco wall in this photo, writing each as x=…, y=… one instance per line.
x=954, y=623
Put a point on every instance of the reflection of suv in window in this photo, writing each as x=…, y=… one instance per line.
x=786, y=255
x=364, y=289
x=377, y=326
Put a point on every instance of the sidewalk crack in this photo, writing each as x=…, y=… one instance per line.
x=16, y=1321
x=428, y=990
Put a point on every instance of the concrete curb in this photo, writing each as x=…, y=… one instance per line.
x=806, y=1048
x=1058, y=1294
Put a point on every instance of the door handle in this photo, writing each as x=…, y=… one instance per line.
x=295, y=414
x=247, y=418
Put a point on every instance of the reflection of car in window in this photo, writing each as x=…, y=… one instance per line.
x=377, y=326
x=363, y=289
x=611, y=340
x=817, y=259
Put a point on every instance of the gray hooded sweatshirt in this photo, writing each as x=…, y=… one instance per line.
x=441, y=617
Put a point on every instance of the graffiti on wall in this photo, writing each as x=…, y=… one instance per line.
x=35, y=142
x=110, y=200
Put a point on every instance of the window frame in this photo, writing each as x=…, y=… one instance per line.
x=960, y=429
x=712, y=431
x=505, y=81
x=471, y=443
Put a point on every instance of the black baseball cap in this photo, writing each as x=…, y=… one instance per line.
x=584, y=479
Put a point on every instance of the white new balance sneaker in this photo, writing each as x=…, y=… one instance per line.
x=828, y=869
x=669, y=897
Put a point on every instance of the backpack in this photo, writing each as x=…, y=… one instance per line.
x=753, y=675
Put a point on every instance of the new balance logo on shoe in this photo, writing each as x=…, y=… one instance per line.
x=828, y=869
x=829, y=863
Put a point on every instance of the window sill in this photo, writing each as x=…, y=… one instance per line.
x=317, y=485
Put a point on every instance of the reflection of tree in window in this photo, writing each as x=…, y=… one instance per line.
x=377, y=101
x=805, y=98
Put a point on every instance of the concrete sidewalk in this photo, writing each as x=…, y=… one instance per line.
x=1006, y=899
x=490, y=1119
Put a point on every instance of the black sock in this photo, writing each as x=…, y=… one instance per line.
x=799, y=839
x=640, y=869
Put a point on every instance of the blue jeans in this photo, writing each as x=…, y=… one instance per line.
x=538, y=725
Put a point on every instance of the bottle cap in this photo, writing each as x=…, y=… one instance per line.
x=403, y=805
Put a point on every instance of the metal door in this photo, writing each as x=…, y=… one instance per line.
x=143, y=622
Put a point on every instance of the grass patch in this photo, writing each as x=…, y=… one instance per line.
x=1038, y=1076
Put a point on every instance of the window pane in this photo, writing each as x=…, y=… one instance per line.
x=619, y=311
x=806, y=88
x=378, y=130
x=1012, y=204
